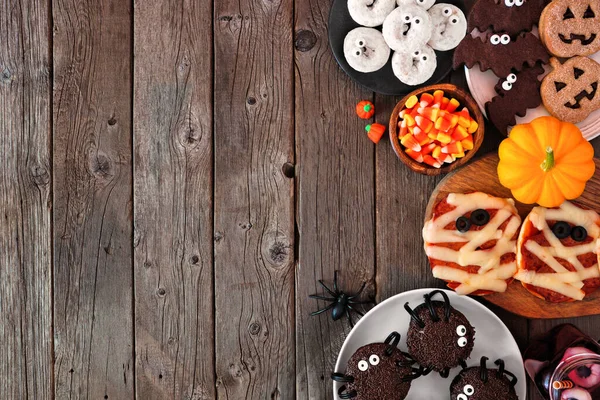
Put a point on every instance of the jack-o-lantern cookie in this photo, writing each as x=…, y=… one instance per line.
x=365, y=50
x=516, y=94
x=407, y=28
x=370, y=12
x=500, y=53
x=471, y=242
x=571, y=27
x=510, y=16
x=558, y=253
x=416, y=68
x=449, y=26
x=570, y=91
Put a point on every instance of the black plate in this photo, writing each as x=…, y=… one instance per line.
x=382, y=81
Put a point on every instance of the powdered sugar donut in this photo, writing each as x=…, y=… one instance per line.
x=449, y=26
x=426, y=4
x=370, y=12
x=407, y=28
x=365, y=49
x=416, y=67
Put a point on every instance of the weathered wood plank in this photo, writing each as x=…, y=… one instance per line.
x=25, y=180
x=254, y=200
x=335, y=208
x=173, y=200
x=93, y=320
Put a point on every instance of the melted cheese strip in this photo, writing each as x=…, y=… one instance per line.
x=491, y=274
x=563, y=281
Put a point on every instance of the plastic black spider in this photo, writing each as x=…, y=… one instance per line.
x=341, y=303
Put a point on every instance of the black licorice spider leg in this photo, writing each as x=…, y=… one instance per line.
x=341, y=304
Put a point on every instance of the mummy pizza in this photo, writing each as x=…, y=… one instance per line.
x=439, y=336
x=449, y=26
x=365, y=50
x=377, y=371
x=407, y=29
x=558, y=253
x=482, y=383
x=416, y=68
x=370, y=12
x=471, y=242
x=426, y=4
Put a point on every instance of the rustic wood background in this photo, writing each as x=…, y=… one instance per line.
x=175, y=176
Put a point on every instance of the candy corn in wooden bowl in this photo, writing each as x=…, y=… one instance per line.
x=436, y=129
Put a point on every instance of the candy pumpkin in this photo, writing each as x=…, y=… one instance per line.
x=546, y=161
x=365, y=109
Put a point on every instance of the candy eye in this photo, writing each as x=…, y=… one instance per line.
x=462, y=397
x=447, y=11
x=374, y=359
x=495, y=40
x=360, y=42
x=480, y=217
x=423, y=57
x=461, y=330
x=358, y=53
x=454, y=21
x=469, y=390
x=505, y=39
x=512, y=78
x=578, y=234
x=561, y=230
x=363, y=365
x=463, y=224
x=509, y=3
x=506, y=85
x=416, y=53
x=462, y=341
x=417, y=20
x=519, y=3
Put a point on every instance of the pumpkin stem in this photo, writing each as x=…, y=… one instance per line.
x=367, y=107
x=548, y=163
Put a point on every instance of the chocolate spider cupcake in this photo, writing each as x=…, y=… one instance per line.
x=378, y=371
x=481, y=383
x=439, y=337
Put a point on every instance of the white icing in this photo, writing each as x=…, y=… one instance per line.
x=492, y=275
x=568, y=283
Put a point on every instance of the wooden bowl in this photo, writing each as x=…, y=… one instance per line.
x=465, y=100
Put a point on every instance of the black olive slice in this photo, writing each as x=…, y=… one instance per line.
x=578, y=234
x=463, y=224
x=561, y=230
x=480, y=217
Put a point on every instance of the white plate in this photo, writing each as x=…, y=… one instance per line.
x=492, y=339
x=481, y=85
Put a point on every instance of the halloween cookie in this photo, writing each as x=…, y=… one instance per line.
x=449, y=26
x=510, y=16
x=483, y=383
x=439, y=336
x=471, y=242
x=570, y=91
x=515, y=95
x=571, y=27
x=426, y=4
x=407, y=29
x=416, y=68
x=500, y=53
x=377, y=371
x=557, y=252
x=370, y=12
x=365, y=50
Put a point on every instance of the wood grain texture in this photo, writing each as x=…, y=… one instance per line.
x=173, y=200
x=254, y=200
x=92, y=199
x=335, y=205
x=25, y=182
x=482, y=176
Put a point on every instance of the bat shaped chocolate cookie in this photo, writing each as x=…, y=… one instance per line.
x=516, y=94
x=500, y=53
x=510, y=16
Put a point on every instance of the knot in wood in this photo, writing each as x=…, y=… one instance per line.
x=40, y=175
x=251, y=100
x=254, y=328
x=194, y=260
x=305, y=40
x=288, y=170
x=218, y=236
x=278, y=252
x=101, y=166
x=6, y=76
x=161, y=292
x=112, y=120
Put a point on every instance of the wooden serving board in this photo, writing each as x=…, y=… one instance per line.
x=481, y=176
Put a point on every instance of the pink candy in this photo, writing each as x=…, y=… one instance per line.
x=575, y=394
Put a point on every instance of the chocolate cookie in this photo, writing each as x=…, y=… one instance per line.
x=377, y=371
x=516, y=94
x=510, y=16
x=439, y=337
x=500, y=53
x=570, y=91
x=481, y=383
x=571, y=27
